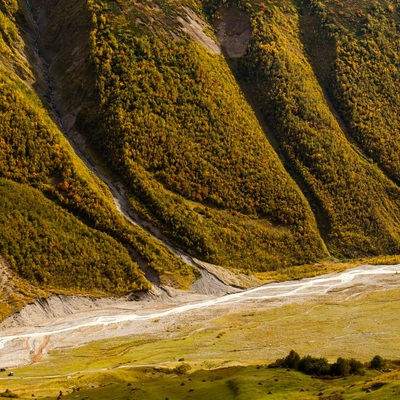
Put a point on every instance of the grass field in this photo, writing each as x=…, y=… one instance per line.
x=251, y=382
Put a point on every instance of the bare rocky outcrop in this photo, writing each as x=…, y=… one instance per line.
x=229, y=279
x=196, y=28
x=234, y=31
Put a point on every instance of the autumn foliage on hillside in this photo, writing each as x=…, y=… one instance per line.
x=175, y=124
x=303, y=166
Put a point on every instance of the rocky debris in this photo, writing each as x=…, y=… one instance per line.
x=195, y=27
x=229, y=278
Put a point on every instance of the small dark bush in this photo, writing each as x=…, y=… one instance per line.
x=182, y=369
x=9, y=394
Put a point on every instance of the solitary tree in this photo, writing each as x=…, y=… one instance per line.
x=377, y=362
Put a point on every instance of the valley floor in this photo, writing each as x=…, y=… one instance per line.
x=352, y=311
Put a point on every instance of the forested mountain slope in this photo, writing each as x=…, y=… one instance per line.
x=277, y=148
x=359, y=201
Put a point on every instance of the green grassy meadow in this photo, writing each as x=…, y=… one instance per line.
x=251, y=382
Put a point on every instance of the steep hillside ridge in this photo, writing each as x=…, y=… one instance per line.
x=91, y=121
x=234, y=30
x=328, y=50
x=62, y=253
x=143, y=89
x=68, y=69
x=362, y=221
x=368, y=100
x=34, y=153
x=175, y=125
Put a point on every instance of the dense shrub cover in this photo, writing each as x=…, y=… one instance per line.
x=174, y=123
x=53, y=249
x=366, y=76
x=169, y=118
x=319, y=366
x=360, y=203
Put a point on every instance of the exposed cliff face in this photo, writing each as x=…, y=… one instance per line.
x=197, y=28
x=233, y=29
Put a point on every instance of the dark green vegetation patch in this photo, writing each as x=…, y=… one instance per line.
x=52, y=248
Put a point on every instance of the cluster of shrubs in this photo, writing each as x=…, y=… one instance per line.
x=9, y=394
x=320, y=367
